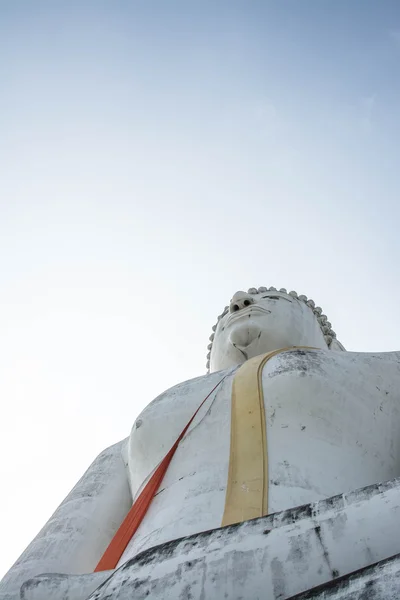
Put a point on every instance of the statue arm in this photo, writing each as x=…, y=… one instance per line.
x=75, y=537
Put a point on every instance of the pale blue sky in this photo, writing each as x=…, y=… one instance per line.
x=154, y=158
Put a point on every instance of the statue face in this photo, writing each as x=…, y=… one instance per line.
x=259, y=323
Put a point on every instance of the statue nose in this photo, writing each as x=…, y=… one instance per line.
x=239, y=301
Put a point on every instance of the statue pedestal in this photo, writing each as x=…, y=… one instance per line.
x=274, y=557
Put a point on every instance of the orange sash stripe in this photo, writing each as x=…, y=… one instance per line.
x=135, y=516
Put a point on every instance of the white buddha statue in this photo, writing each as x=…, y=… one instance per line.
x=329, y=423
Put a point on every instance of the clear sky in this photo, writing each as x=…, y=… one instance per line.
x=155, y=157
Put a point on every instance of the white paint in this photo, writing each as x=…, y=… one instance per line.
x=302, y=548
x=73, y=539
x=333, y=425
x=65, y=587
x=380, y=581
x=261, y=321
x=272, y=557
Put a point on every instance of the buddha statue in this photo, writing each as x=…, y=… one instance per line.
x=284, y=418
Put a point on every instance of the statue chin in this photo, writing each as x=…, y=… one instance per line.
x=251, y=340
x=244, y=335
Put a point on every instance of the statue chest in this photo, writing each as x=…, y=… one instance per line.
x=332, y=425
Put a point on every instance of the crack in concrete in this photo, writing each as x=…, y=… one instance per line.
x=242, y=351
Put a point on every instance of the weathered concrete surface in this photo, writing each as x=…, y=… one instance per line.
x=380, y=581
x=62, y=587
x=273, y=557
x=73, y=539
x=332, y=424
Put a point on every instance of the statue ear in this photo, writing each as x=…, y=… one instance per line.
x=336, y=345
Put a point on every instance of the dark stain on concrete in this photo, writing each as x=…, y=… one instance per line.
x=302, y=362
x=325, y=553
x=380, y=581
x=278, y=579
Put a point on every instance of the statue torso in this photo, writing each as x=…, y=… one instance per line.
x=332, y=421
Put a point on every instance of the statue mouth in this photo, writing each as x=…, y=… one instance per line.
x=246, y=312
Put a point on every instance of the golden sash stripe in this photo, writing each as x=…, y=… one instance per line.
x=247, y=487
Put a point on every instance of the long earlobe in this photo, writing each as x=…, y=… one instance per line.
x=336, y=345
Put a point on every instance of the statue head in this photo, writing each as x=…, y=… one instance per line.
x=265, y=319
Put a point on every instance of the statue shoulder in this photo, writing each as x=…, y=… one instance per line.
x=308, y=359
x=371, y=361
x=189, y=389
x=305, y=366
